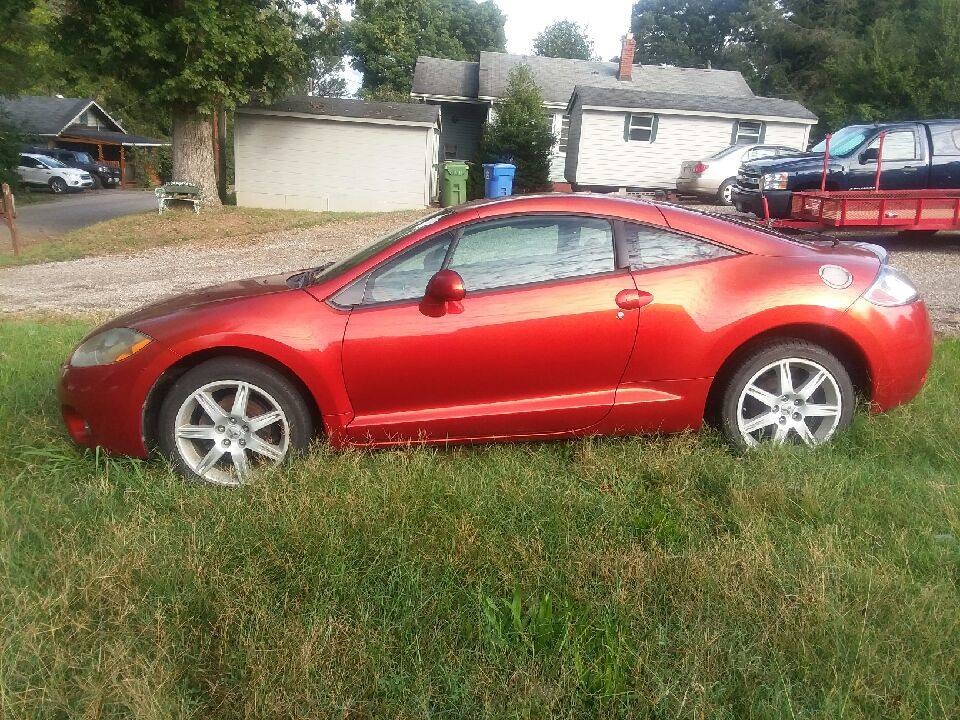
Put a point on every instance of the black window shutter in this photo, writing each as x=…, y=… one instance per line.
x=626, y=127
x=736, y=129
x=763, y=131
x=653, y=127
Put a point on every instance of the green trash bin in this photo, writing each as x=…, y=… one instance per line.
x=453, y=187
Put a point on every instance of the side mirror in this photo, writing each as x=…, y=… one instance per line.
x=446, y=286
x=869, y=155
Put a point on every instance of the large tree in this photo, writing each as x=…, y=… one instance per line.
x=690, y=33
x=564, y=39
x=192, y=56
x=385, y=38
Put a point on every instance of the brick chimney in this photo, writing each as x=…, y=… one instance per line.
x=627, y=50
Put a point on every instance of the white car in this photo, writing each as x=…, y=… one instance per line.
x=716, y=175
x=42, y=170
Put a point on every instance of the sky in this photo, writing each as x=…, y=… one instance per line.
x=605, y=20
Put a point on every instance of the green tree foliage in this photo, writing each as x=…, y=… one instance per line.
x=564, y=39
x=520, y=133
x=192, y=56
x=848, y=60
x=385, y=38
x=10, y=143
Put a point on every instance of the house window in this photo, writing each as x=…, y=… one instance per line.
x=747, y=132
x=564, y=134
x=641, y=128
x=449, y=151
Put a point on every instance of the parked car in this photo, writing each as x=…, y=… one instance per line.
x=43, y=170
x=916, y=156
x=534, y=317
x=715, y=176
x=104, y=176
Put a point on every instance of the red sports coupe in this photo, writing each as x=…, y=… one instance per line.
x=523, y=318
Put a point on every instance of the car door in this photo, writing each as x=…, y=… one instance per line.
x=904, y=161
x=537, y=346
x=26, y=169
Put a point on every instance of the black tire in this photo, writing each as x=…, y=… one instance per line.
x=764, y=355
x=723, y=193
x=97, y=182
x=58, y=186
x=277, y=386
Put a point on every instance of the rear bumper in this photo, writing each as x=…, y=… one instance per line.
x=751, y=201
x=697, y=186
x=898, y=343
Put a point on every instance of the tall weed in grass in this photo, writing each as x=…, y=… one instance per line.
x=657, y=577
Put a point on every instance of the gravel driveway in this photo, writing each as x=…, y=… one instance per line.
x=111, y=284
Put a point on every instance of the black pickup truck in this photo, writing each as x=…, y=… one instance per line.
x=916, y=156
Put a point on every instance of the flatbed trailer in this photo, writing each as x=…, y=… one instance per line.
x=896, y=210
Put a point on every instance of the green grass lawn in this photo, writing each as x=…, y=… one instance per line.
x=661, y=578
x=141, y=231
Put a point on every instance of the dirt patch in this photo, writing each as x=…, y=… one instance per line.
x=118, y=283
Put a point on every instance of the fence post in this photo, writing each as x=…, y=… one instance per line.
x=8, y=211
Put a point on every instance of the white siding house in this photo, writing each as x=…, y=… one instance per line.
x=631, y=139
x=311, y=153
x=702, y=105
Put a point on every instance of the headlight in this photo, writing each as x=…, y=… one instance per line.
x=102, y=169
x=108, y=347
x=774, y=181
x=891, y=288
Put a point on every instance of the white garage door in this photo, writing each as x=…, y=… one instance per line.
x=313, y=164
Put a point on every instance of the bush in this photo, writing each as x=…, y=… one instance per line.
x=10, y=143
x=520, y=133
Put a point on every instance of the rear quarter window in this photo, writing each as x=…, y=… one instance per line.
x=946, y=139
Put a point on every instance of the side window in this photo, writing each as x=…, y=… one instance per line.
x=27, y=162
x=946, y=140
x=640, y=128
x=747, y=132
x=652, y=247
x=564, y=134
x=897, y=145
x=405, y=277
x=517, y=251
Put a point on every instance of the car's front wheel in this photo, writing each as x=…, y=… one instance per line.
x=227, y=417
x=58, y=185
x=790, y=391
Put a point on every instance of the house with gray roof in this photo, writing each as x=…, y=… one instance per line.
x=79, y=124
x=618, y=125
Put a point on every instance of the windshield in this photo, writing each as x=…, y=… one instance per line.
x=369, y=251
x=83, y=157
x=844, y=141
x=726, y=151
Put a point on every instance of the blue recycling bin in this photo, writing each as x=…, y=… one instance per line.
x=498, y=179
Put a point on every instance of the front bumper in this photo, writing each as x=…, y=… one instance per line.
x=103, y=406
x=898, y=344
x=751, y=201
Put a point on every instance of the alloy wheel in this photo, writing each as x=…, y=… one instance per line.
x=226, y=428
x=789, y=400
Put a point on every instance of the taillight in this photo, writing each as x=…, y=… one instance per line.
x=891, y=288
x=700, y=168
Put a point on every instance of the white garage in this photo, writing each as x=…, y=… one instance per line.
x=311, y=153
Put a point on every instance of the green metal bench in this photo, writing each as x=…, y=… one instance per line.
x=177, y=192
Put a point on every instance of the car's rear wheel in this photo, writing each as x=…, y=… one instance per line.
x=787, y=392
x=58, y=185
x=227, y=417
x=725, y=193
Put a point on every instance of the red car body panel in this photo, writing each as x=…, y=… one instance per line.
x=538, y=361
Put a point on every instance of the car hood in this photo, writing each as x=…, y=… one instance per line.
x=227, y=292
x=786, y=163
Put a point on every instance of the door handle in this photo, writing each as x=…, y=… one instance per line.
x=633, y=299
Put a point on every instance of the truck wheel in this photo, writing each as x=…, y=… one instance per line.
x=725, y=193
x=916, y=234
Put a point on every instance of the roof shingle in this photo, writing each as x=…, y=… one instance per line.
x=340, y=107
x=449, y=78
x=752, y=105
x=42, y=114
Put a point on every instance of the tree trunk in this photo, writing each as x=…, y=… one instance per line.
x=193, y=153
